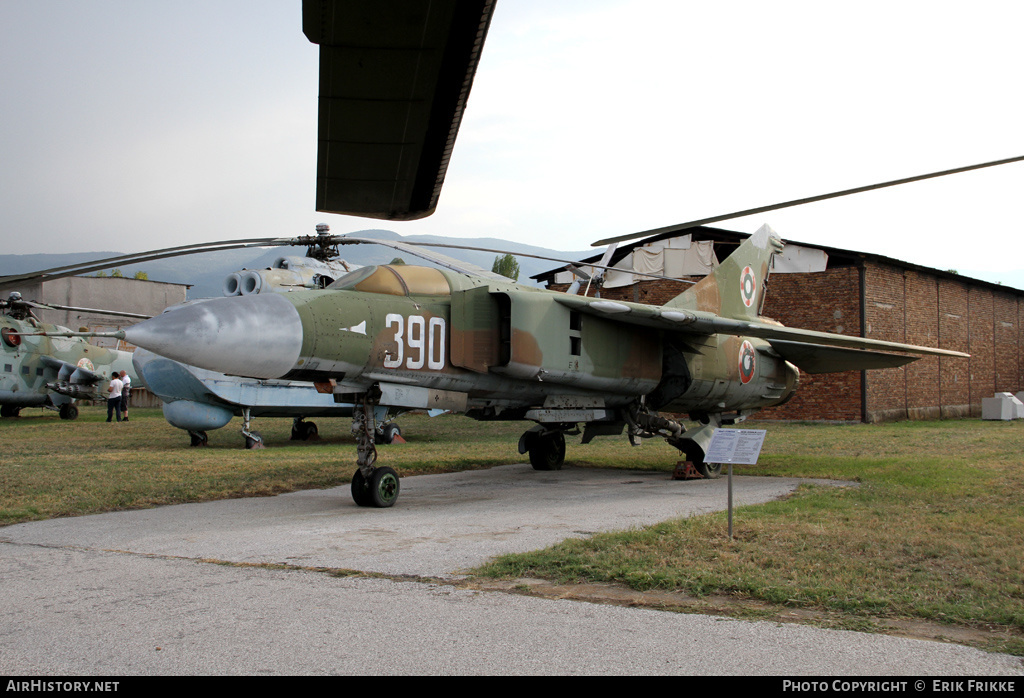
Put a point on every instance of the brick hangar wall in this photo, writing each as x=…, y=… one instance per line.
x=935, y=310
x=827, y=301
x=911, y=306
x=901, y=305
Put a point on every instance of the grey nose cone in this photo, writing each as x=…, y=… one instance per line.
x=258, y=336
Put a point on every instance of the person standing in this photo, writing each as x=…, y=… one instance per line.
x=114, y=398
x=126, y=389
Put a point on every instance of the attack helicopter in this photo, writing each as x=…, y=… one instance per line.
x=51, y=372
x=457, y=338
x=197, y=400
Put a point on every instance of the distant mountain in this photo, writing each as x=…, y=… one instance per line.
x=205, y=271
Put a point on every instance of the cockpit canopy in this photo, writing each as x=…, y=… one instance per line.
x=395, y=280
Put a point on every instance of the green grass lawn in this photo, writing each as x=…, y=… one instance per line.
x=934, y=531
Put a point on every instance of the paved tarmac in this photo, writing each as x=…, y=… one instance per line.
x=143, y=592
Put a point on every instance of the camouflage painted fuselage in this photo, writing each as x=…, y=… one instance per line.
x=418, y=337
x=489, y=344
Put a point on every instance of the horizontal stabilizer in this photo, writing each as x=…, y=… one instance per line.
x=818, y=358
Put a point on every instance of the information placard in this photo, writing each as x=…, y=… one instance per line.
x=735, y=446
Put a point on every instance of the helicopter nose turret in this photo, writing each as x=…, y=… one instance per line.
x=258, y=336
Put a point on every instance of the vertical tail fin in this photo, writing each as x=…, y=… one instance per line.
x=736, y=287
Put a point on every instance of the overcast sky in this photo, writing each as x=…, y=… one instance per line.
x=131, y=125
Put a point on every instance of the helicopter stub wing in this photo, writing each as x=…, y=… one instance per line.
x=71, y=372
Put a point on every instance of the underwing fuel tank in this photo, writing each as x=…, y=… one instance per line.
x=199, y=400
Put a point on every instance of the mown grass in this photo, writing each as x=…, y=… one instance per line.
x=54, y=468
x=934, y=531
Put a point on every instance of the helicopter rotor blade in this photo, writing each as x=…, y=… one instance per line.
x=577, y=272
x=598, y=280
x=93, y=311
x=99, y=264
x=468, y=268
x=308, y=241
x=798, y=202
x=580, y=275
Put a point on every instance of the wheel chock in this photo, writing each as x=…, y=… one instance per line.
x=684, y=470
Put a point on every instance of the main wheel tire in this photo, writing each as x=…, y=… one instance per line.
x=68, y=411
x=254, y=441
x=708, y=470
x=695, y=454
x=547, y=451
x=198, y=438
x=305, y=431
x=388, y=433
x=9, y=411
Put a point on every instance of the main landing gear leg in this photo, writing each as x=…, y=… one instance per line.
x=252, y=438
x=371, y=486
x=694, y=444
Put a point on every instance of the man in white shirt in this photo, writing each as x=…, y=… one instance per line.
x=126, y=389
x=114, y=398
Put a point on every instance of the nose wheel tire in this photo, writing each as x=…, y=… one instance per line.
x=379, y=490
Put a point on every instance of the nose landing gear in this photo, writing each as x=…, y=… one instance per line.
x=371, y=486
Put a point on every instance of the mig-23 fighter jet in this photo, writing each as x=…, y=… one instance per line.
x=468, y=341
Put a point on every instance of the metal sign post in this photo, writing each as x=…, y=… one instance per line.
x=730, y=446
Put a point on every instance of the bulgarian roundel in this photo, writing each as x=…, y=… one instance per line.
x=748, y=286
x=748, y=361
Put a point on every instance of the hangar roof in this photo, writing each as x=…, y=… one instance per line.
x=726, y=240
